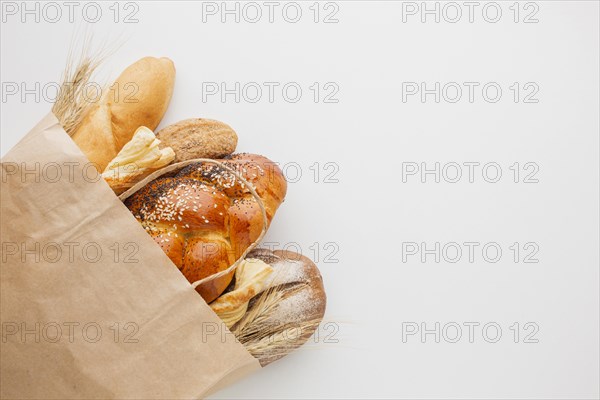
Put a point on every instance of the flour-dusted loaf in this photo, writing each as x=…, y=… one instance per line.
x=284, y=316
x=204, y=218
x=139, y=97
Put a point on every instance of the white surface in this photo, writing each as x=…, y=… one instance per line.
x=369, y=213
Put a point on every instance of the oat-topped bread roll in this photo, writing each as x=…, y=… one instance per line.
x=139, y=97
x=204, y=218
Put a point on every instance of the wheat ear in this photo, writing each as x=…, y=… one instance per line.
x=78, y=93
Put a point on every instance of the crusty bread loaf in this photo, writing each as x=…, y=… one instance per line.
x=285, y=316
x=139, y=97
x=198, y=138
x=204, y=218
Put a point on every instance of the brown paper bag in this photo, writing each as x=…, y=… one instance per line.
x=90, y=306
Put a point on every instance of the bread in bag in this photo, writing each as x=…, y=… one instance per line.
x=198, y=138
x=285, y=315
x=204, y=218
x=139, y=97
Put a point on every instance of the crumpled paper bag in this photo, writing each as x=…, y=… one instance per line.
x=90, y=306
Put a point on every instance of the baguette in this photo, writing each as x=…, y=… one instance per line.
x=139, y=97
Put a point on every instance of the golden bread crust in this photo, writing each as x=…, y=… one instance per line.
x=139, y=97
x=204, y=218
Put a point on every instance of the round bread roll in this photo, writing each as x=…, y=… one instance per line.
x=198, y=138
x=298, y=305
x=139, y=97
x=204, y=218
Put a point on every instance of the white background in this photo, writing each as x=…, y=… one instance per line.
x=373, y=295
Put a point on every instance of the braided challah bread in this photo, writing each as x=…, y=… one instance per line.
x=204, y=218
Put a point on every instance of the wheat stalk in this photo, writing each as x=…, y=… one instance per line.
x=263, y=308
x=75, y=98
x=279, y=341
x=73, y=101
x=269, y=341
